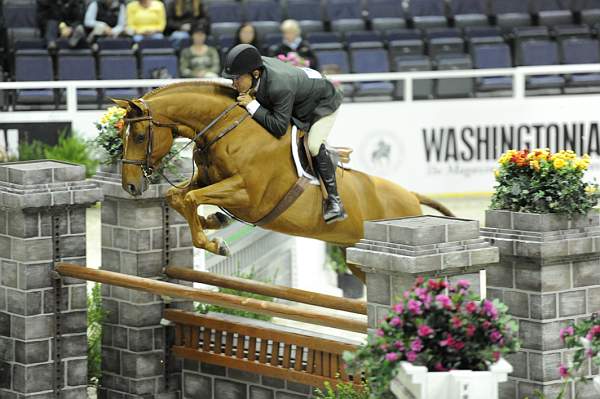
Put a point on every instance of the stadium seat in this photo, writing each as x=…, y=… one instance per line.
x=152, y=62
x=17, y=15
x=482, y=35
x=589, y=10
x=325, y=40
x=225, y=17
x=581, y=51
x=29, y=44
x=469, y=12
x=444, y=41
x=107, y=43
x=553, y=12
x=453, y=87
x=265, y=16
x=272, y=39
x=78, y=65
x=336, y=60
x=541, y=52
x=511, y=13
x=427, y=13
x=344, y=15
x=117, y=66
x=34, y=65
x=405, y=42
x=386, y=14
x=422, y=88
x=492, y=55
x=363, y=39
x=155, y=46
x=308, y=13
x=371, y=61
x=570, y=31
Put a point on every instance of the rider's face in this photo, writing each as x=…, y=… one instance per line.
x=244, y=83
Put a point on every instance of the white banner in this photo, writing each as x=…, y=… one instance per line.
x=451, y=146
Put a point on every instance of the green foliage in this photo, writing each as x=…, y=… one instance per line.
x=204, y=308
x=541, y=182
x=343, y=390
x=335, y=258
x=70, y=148
x=95, y=317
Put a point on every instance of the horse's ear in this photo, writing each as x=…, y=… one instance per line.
x=121, y=103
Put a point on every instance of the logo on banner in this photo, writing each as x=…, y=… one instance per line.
x=382, y=152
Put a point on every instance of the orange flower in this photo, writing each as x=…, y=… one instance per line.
x=119, y=124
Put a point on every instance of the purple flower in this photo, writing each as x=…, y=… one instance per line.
x=411, y=356
x=444, y=301
x=395, y=322
x=495, y=336
x=398, y=308
x=563, y=370
x=490, y=309
x=414, y=307
x=420, y=292
x=464, y=284
x=379, y=332
x=399, y=345
x=392, y=357
x=416, y=345
x=424, y=331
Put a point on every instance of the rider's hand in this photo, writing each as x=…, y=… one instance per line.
x=244, y=99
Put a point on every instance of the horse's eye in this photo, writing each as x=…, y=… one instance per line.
x=139, y=138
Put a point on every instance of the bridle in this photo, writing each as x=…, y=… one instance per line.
x=145, y=164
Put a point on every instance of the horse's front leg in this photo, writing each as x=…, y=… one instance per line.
x=228, y=193
x=175, y=197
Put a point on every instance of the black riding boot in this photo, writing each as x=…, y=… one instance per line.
x=333, y=210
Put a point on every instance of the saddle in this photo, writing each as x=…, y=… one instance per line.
x=303, y=160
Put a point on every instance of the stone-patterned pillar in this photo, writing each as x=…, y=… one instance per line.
x=134, y=352
x=394, y=252
x=42, y=203
x=548, y=275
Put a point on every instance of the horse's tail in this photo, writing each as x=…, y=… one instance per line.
x=434, y=204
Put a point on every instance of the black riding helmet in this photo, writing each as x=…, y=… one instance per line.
x=242, y=59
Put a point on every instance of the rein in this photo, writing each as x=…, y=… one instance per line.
x=145, y=164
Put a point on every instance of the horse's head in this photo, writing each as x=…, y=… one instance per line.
x=146, y=140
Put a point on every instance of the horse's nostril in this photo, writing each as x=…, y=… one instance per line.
x=132, y=189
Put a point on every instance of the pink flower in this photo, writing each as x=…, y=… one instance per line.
x=590, y=353
x=406, y=294
x=471, y=307
x=424, y=331
x=464, y=284
x=411, y=356
x=563, y=370
x=438, y=367
x=433, y=285
x=456, y=322
x=398, y=308
x=384, y=347
x=419, y=281
x=444, y=301
x=399, y=345
x=496, y=356
x=564, y=332
x=486, y=324
x=495, y=336
x=420, y=292
x=395, y=322
x=458, y=345
x=490, y=309
x=379, y=332
x=470, y=330
x=416, y=345
x=449, y=341
x=415, y=307
x=392, y=357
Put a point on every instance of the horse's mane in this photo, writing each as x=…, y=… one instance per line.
x=218, y=88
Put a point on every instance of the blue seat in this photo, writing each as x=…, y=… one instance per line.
x=427, y=13
x=344, y=15
x=262, y=10
x=422, y=88
x=29, y=44
x=19, y=15
x=150, y=63
x=337, y=61
x=78, y=65
x=155, y=44
x=371, y=61
x=34, y=65
x=469, y=12
x=108, y=43
x=325, y=40
x=404, y=42
x=511, y=13
x=453, y=87
x=581, y=51
x=117, y=67
x=386, y=14
x=541, y=52
x=308, y=13
x=590, y=11
x=482, y=35
x=363, y=39
x=224, y=12
x=494, y=55
x=569, y=31
x=553, y=12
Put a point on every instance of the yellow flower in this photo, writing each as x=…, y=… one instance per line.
x=589, y=189
x=496, y=172
x=559, y=163
x=535, y=164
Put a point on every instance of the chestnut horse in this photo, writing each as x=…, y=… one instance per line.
x=244, y=169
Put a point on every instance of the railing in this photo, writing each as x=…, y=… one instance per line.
x=518, y=74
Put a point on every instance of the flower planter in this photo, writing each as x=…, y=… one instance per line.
x=350, y=285
x=416, y=382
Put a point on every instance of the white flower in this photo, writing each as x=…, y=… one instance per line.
x=585, y=342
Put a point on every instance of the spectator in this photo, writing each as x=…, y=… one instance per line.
x=146, y=19
x=293, y=43
x=182, y=16
x=246, y=34
x=61, y=19
x=199, y=60
x=105, y=18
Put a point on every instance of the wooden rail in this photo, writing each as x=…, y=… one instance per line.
x=277, y=291
x=304, y=359
x=212, y=298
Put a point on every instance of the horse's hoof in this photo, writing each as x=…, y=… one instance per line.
x=223, y=219
x=222, y=247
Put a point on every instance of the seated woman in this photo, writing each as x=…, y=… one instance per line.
x=199, y=60
x=146, y=19
x=104, y=18
x=246, y=34
x=61, y=19
x=182, y=15
x=293, y=43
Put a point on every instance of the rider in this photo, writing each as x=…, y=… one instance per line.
x=275, y=93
